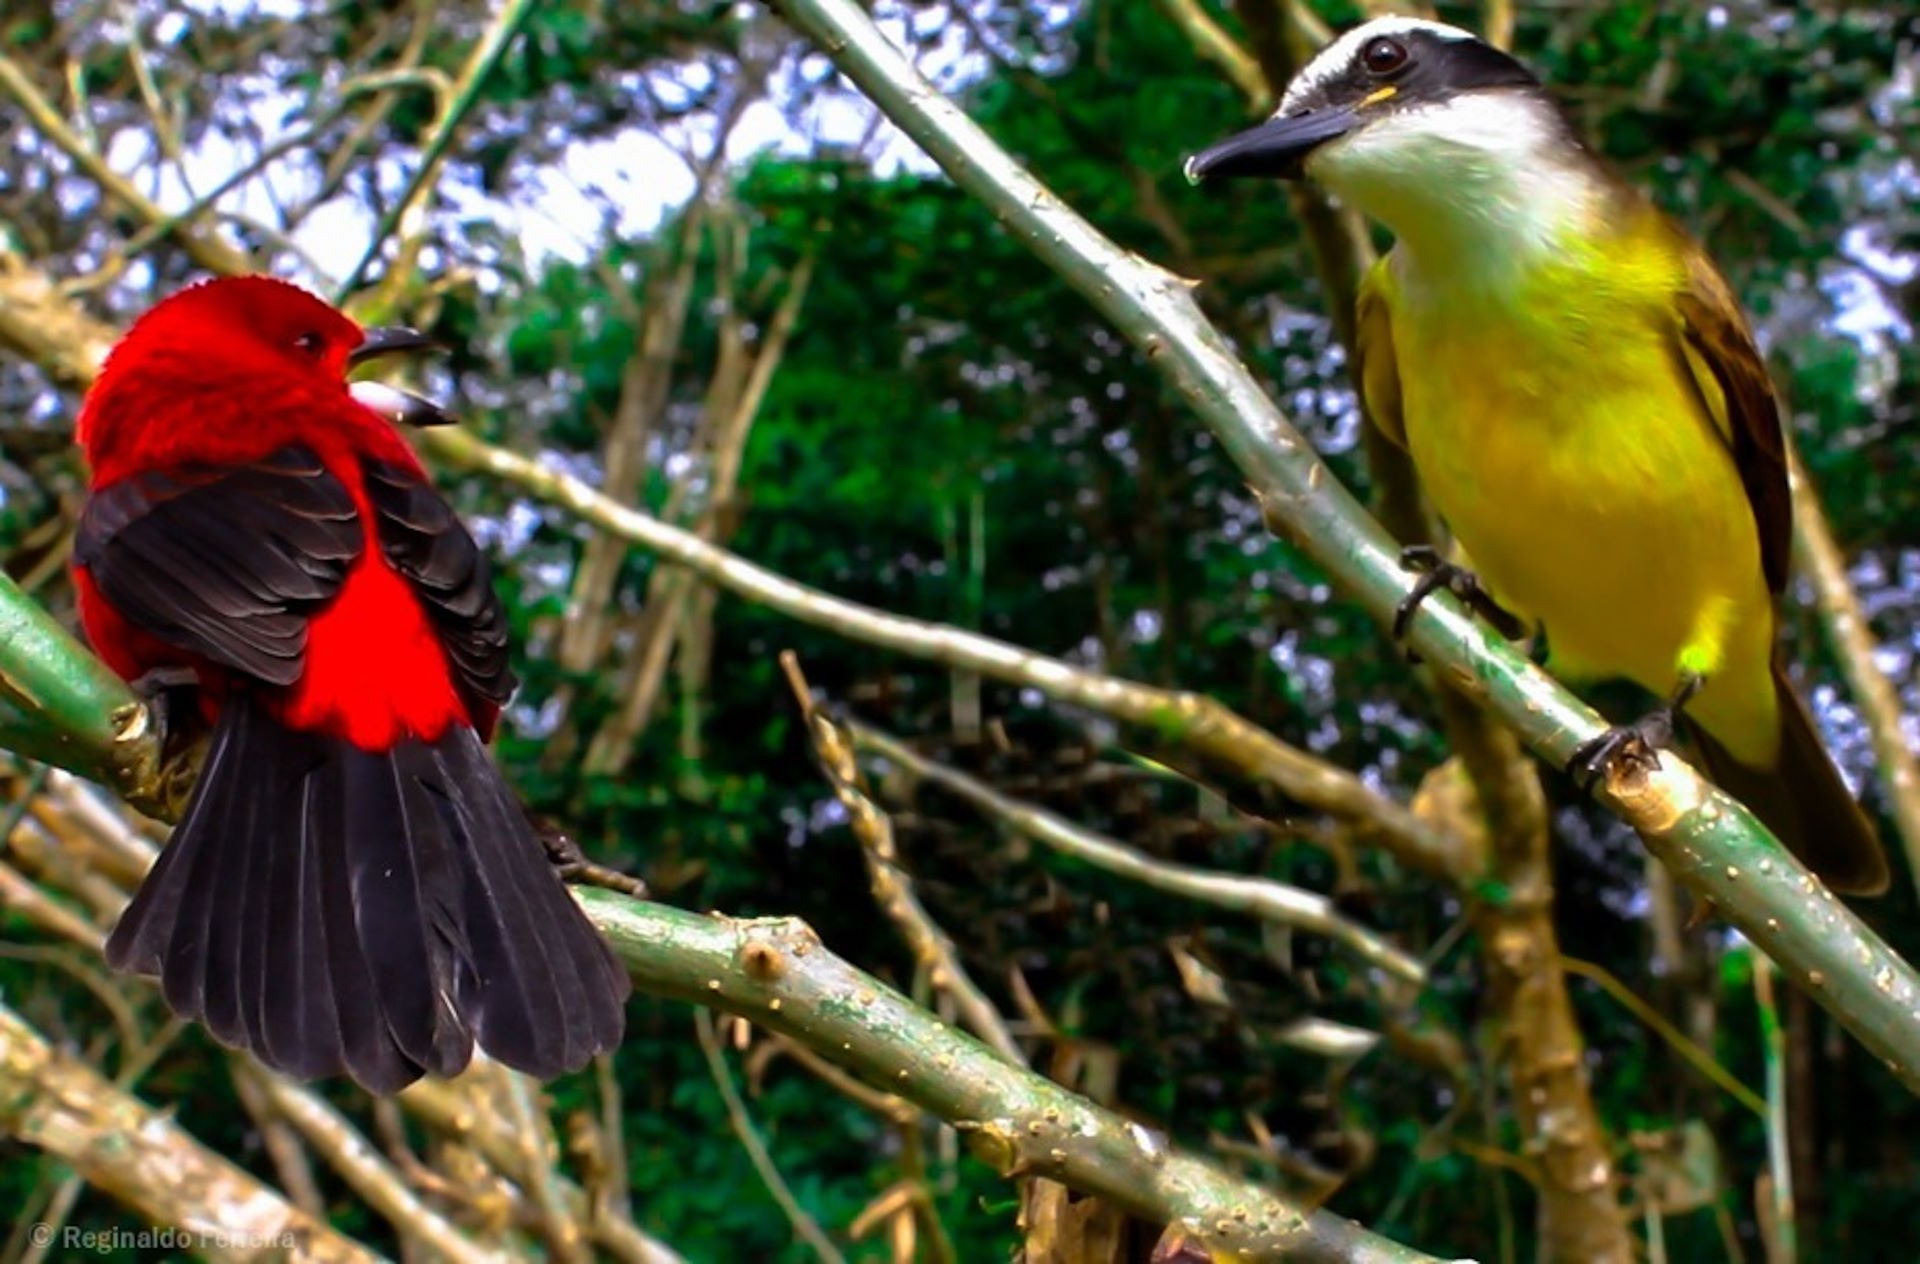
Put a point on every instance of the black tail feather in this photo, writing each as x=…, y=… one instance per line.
x=338, y=911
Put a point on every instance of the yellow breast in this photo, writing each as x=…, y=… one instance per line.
x=1559, y=433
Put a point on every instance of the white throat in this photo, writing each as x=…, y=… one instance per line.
x=1475, y=189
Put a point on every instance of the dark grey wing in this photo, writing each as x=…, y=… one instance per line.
x=226, y=562
x=425, y=541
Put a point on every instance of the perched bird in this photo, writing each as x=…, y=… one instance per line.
x=352, y=887
x=1582, y=398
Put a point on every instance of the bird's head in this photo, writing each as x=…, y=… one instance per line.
x=255, y=340
x=1422, y=126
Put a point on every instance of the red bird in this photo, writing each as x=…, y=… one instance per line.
x=353, y=887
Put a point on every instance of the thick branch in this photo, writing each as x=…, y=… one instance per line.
x=62, y=705
x=777, y=974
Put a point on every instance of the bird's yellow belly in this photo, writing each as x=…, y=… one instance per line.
x=1594, y=497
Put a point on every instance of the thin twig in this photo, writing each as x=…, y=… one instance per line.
x=530, y=1125
x=48, y=1225
x=449, y=1109
x=1778, y=1216
x=1212, y=42
x=804, y=1225
x=611, y=1189
x=1270, y=901
x=473, y=77
x=1851, y=637
x=1701, y=1060
x=896, y=1110
x=205, y=249
x=370, y=1176
x=932, y=947
x=284, y=1146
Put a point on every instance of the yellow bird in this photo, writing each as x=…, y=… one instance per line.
x=1582, y=398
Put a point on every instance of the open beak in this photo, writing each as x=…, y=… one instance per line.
x=402, y=407
x=1276, y=148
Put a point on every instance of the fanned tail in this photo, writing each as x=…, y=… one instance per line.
x=1803, y=799
x=334, y=910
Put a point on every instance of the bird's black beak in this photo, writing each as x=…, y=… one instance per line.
x=1276, y=148
x=402, y=407
x=390, y=340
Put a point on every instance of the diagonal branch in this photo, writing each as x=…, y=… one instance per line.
x=142, y=1157
x=1212, y=42
x=933, y=948
x=360, y=1164
x=1198, y=722
x=777, y=974
x=805, y=1227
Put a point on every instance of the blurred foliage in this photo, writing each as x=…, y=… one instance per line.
x=952, y=435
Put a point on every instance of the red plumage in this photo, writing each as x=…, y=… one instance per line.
x=352, y=887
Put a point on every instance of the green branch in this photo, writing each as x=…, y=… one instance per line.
x=61, y=705
x=776, y=973
x=1708, y=840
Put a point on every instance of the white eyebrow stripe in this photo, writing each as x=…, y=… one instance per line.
x=1333, y=60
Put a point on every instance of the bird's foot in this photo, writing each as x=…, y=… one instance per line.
x=168, y=693
x=571, y=863
x=1436, y=573
x=168, y=716
x=1634, y=746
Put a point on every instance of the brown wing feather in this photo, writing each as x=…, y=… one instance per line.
x=1719, y=348
x=1375, y=370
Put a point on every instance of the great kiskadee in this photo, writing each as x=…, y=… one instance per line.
x=1581, y=396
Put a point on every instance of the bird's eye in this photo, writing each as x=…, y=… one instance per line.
x=1384, y=56
x=310, y=342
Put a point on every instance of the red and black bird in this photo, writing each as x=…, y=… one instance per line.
x=353, y=887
